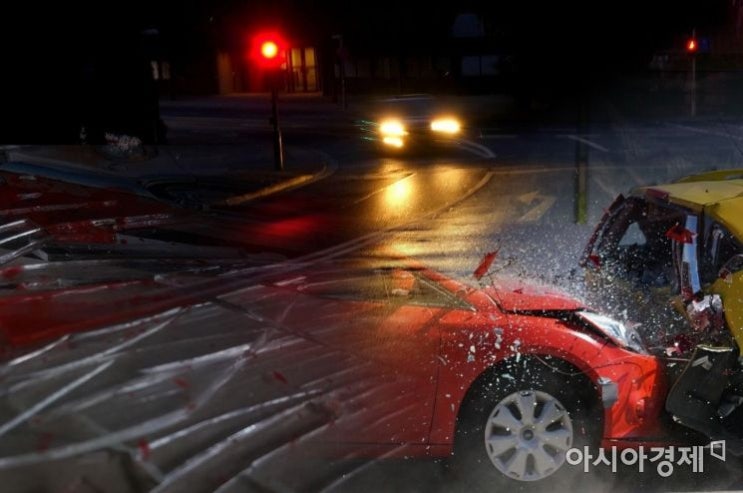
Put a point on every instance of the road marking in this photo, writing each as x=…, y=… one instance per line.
x=716, y=133
x=544, y=202
x=477, y=149
x=382, y=189
x=587, y=142
x=529, y=197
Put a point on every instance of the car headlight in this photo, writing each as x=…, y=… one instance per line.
x=393, y=141
x=447, y=125
x=615, y=330
x=392, y=128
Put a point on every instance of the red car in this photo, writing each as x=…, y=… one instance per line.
x=508, y=376
x=387, y=358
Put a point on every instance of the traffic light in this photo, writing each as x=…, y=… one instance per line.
x=268, y=50
x=691, y=45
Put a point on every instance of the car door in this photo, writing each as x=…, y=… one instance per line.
x=383, y=327
x=721, y=272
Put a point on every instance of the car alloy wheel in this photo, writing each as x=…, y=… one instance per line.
x=527, y=435
x=517, y=422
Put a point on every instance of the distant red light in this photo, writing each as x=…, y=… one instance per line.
x=691, y=45
x=268, y=50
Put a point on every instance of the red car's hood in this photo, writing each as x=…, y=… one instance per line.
x=514, y=295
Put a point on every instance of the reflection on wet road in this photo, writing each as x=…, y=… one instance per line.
x=348, y=206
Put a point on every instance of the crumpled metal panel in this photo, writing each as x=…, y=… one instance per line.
x=196, y=397
x=58, y=220
x=136, y=359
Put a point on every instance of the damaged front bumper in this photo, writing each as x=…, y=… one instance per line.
x=633, y=393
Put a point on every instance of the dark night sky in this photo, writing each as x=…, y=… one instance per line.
x=43, y=46
x=577, y=29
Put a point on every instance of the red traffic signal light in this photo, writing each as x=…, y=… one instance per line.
x=691, y=45
x=268, y=49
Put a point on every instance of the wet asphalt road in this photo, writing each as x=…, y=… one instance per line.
x=449, y=206
x=139, y=399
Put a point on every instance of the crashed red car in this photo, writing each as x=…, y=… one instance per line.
x=387, y=357
x=508, y=376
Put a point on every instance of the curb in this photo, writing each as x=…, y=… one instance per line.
x=97, y=176
x=282, y=186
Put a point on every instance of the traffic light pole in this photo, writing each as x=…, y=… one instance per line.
x=268, y=49
x=692, y=47
x=278, y=145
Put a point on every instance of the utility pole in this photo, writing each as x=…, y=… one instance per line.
x=691, y=47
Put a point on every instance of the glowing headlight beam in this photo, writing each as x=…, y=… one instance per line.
x=392, y=141
x=446, y=125
x=393, y=128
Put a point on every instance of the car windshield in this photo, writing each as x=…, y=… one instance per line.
x=370, y=246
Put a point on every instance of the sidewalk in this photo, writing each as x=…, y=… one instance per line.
x=246, y=165
x=248, y=168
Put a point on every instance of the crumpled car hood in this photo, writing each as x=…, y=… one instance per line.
x=514, y=295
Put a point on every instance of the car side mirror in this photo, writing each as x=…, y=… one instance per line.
x=733, y=265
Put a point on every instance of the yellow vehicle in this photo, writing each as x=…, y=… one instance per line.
x=671, y=257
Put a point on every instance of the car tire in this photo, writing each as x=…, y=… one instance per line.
x=566, y=413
